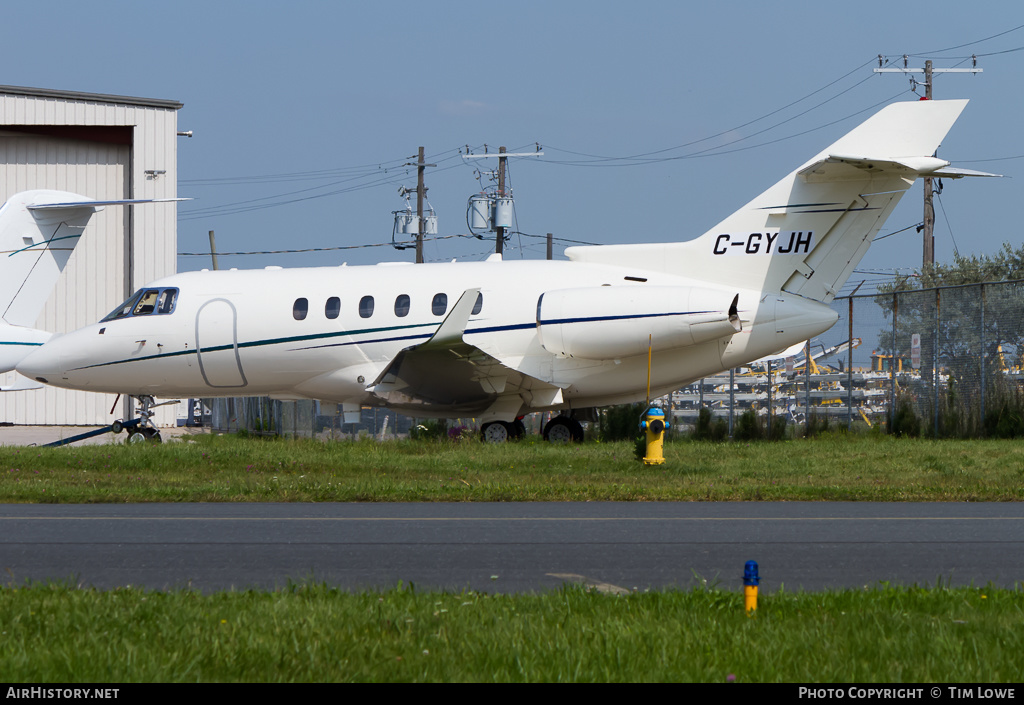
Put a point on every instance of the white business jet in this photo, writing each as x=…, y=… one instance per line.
x=39, y=230
x=496, y=339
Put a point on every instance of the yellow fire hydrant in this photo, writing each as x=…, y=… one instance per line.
x=654, y=427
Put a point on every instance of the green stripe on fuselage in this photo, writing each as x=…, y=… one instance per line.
x=268, y=341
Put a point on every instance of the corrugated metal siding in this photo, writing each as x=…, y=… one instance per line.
x=94, y=281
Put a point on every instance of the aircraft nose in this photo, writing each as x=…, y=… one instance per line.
x=43, y=364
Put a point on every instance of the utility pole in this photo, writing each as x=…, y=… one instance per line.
x=550, y=247
x=421, y=192
x=928, y=229
x=928, y=226
x=419, y=207
x=499, y=241
x=213, y=250
x=502, y=159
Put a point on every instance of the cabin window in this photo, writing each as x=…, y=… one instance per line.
x=439, y=305
x=479, y=304
x=300, y=309
x=402, y=305
x=366, y=306
x=333, y=307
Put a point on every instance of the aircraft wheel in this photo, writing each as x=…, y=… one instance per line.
x=563, y=429
x=142, y=435
x=496, y=432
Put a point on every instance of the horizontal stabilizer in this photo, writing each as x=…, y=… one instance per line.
x=952, y=172
x=18, y=383
x=837, y=167
x=122, y=202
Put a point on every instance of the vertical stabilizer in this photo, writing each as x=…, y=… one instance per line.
x=805, y=234
x=35, y=245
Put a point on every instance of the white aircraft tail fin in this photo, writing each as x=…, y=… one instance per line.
x=35, y=245
x=805, y=234
x=38, y=232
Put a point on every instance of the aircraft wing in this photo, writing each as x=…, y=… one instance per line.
x=446, y=371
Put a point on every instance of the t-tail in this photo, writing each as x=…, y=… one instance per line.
x=38, y=232
x=35, y=245
x=807, y=233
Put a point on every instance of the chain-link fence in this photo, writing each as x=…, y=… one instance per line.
x=300, y=419
x=942, y=362
x=934, y=362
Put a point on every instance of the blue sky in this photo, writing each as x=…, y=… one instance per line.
x=325, y=101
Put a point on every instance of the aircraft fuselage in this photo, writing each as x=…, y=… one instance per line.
x=328, y=332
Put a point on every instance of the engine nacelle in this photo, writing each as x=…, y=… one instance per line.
x=609, y=322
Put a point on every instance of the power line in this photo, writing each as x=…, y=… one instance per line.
x=952, y=237
x=896, y=232
x=723, y=132
x=260, y=203
x=558, y=239
x=977, y=41
x=994, y=159
x=719, y=151
x=411, y=243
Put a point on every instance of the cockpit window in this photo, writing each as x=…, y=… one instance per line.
x=165, y=304
x=145, y=302
x=124, y=309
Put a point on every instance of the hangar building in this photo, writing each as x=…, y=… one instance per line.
x=104, y=147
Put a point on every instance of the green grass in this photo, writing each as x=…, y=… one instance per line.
x=54, y=633
x=230, y=469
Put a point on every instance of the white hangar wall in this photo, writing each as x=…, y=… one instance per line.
x=103, y=147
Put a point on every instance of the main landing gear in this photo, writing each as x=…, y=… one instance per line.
x=502, y=431
x=561, y=429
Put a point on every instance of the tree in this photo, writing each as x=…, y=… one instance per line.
x=970, y=316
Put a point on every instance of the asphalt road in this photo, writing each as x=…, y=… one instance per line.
x=514, y=547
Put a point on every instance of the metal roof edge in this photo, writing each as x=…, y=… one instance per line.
x=91, y=97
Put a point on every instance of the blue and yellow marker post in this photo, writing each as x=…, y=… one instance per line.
x=654, y=427
x=750, y=582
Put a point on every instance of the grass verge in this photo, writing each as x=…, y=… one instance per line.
x=230, y=469
x=58, y=634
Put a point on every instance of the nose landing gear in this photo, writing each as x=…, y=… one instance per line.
x=144, y=430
